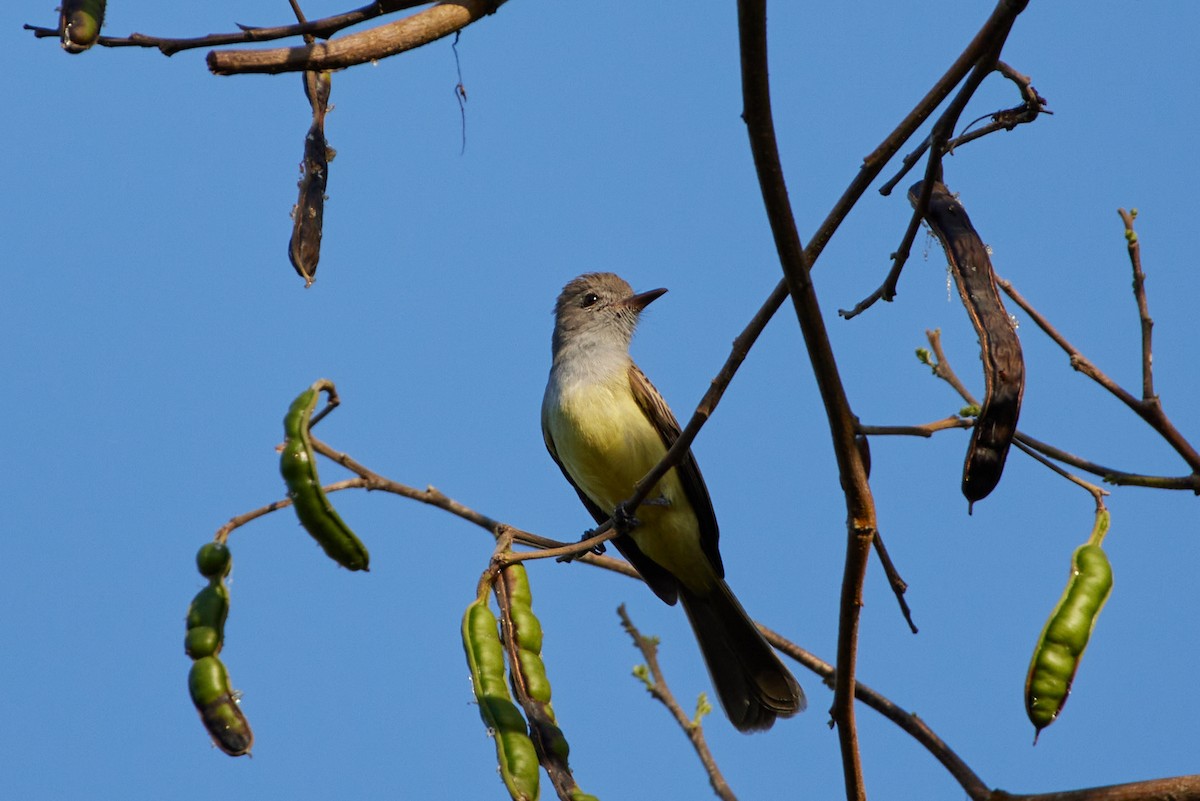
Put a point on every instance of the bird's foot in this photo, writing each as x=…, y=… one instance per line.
x=596, y=549
x=623, y=519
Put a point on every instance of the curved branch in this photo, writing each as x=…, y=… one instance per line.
x=843, y=425
x=908, y=722
x=357, y=48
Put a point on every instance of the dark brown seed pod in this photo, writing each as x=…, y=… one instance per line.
x=1000, y=349
x=308, y=216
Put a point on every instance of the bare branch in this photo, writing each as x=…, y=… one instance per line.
x=1149, y=409
x=942, y=369
x=383, y=41
x=925, y=430
x=1139, y=294
x=908, y=722
x=434, y=497
x=987, y=57
x=1005, y=119
x=656, y=684
x=760, y=127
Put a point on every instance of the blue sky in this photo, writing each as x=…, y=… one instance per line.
x=154, y=334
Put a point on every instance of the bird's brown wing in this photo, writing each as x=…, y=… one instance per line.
x=660, y=416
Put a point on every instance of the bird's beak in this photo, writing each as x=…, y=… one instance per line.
x=642, y=300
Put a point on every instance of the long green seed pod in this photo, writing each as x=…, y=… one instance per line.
x=1065, y=636
x=208, y=684
x=298, y=465
x=79, y=23
x=485, y=656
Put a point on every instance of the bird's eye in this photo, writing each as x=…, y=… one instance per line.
x=590, y=299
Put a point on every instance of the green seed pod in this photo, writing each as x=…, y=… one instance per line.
x=527, y=631
x=521, y=776
x=529, y=628
x=533, y=670
x=210, y=607
x=202, y=641
x=1065, y=636
x=214, y=560
x=529, y=675
x=485, y=654
x=208, y=683
x=485, y=657
x=79, y=23
x=298, y=465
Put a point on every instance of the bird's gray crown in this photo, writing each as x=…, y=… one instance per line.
x=591, y=313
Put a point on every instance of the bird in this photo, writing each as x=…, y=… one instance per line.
x=606, y=426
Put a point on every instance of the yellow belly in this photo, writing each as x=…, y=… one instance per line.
x=607, y=445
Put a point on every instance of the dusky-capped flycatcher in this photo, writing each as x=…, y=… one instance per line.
x=606, y=425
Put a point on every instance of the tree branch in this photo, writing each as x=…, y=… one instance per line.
x=1149, y=408
x=656, y=685
x=320, y=28
x=383, y=41
x=988, y=54
x=760, y=127
x=942, y=369
x=1139, y=294
x=908, y=722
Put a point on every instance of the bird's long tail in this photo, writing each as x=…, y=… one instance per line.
x=751, y=681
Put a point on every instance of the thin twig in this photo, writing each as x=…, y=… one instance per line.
x=1139, y=293
x=1178, y=788
x=570, y=551
x=238, y=521
x=1149, y=409
x=925, y=430
x=895, y=580
x=656, y=684
x=1096, y=492
x=434, y=497
x=1111, y=475
x=986, y=60
x=942, y=369
x=1034, y=105
x=1005, y=119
